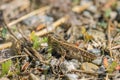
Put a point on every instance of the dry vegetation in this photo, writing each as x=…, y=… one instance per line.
x=60, y=40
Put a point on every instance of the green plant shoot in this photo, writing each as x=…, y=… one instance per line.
x=112, y=67
x=35, y=40
x=6, y=66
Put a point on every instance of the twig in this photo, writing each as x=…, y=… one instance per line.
x=5, y=26
x=12, y=58
x=116, y=47
x=54, y=25
x=77, y=9
x=39, y=56
x=87, y=72
x=41, y=11
x=93, y=73
x=27, y=52
x=106, y=78
x=5, y=45
x=109, y=38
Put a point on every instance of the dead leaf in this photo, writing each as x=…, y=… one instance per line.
x=25, y=66
x=39, y=27
x=86, y=35
x=109, y=4
x=118, y=67
x=105, y=62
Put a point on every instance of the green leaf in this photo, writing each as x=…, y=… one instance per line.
x=103, y=24
x=76, y=1
x=107, y=12
x=44, y=40
x=87, y=37
x=35, y=39
x=16, y=70
x=6, y=66
x=36, y=44
x=4, y=32
x=112, y=67
x=118, y=30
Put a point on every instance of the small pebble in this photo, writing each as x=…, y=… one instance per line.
x=6, y=53
x=110, y=60
x=31, y=20
x=95, y=51
x=118, y=15
x=45, y=67
x=117, y=77
x=87, y=14
x=42, y=77
x=113, y=15
x=89, y=67
x=102, y=73
x=101, y=70
x=71, y=77
x=92, y=9
x=18, y=35
x=53, y=62
x=37, y=63
x=69, y=65
x=98, y=61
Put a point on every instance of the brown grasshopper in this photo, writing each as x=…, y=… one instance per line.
x=71, y=50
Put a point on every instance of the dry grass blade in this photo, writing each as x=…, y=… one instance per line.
x=54, y=25
x=77, y=9
x=12, y=58
x=5, y=45
x=39, y=56
x=41, y=11
x=87, y=72
x=28, y=53
x=109, y=38
x=116, y=47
